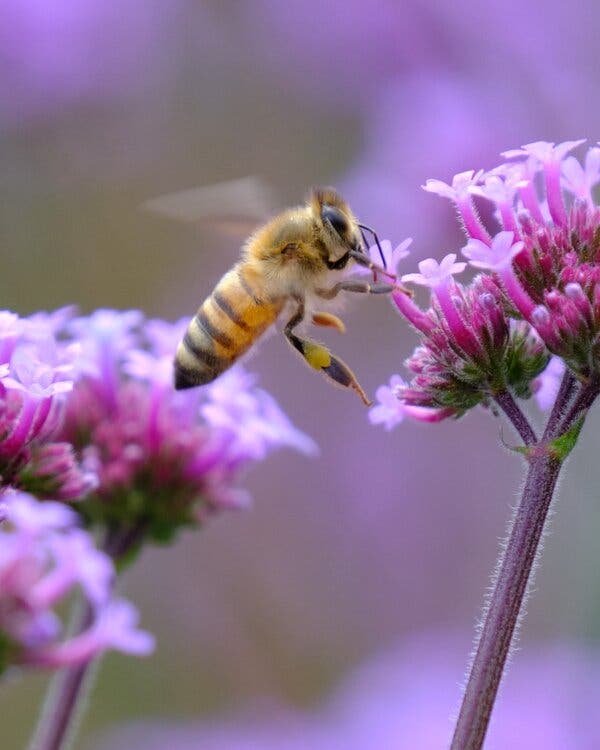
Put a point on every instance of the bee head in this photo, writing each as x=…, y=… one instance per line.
x=343, y=229
x=339, y=226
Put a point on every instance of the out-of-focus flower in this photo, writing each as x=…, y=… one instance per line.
x=546, y=385
x=538, y=295
x=37, y=371
x=164, y=458
x=115, y=627
x=61, y=54
x=405, y=699
x=43, y=557
x=53, y=471
x=406, y=139
x=389, y=411
x=327, y=42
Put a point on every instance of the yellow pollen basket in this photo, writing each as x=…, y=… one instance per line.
x=316, y=355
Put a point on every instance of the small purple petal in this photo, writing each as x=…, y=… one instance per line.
x=461, y=185
x=116, y=628
x=432, y=273
x=32, y=517
x=390, y=410
x=495, y=257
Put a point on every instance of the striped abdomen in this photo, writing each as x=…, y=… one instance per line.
x=226, y=325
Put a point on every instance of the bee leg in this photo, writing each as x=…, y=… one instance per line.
x=361, y=287
x=358, y=286
x=340, y=373
x=320, y=358
x=328, y=320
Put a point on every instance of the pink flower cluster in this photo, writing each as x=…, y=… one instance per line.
x=537, y=295
x=44, y=556
x=88, y=412
x=37, y=371
x=164, y=458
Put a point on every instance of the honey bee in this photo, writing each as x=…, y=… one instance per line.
x=287, y=262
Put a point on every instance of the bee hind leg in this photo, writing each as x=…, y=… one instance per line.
x=320, y=358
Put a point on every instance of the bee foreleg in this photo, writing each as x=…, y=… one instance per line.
x=320, y=358
x=358, y=286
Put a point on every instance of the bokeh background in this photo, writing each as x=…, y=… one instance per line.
x=384, y=542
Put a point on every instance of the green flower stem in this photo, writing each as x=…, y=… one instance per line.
x=517, y=560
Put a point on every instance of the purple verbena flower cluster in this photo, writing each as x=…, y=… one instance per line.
x=164, y=458
x=88, y=412
x=37, y=372
x=535, y=306
x=44, y=555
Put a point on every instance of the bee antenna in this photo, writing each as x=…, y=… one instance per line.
x=363, y=228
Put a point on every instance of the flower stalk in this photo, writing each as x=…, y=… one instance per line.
x=518, y=556
x=519, y=421
x=530, y=318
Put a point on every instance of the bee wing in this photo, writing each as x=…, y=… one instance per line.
x=234, y=207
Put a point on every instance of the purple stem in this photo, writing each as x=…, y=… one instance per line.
x=519, y=421
x=583, y=401
x=517, y=560
x=563, y=400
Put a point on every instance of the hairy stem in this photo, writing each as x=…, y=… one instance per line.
x=519, y=421
x=517, y=561
x=505, y=604
x=564, y=397
x=582, y=402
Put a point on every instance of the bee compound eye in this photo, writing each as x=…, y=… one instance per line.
x=336, y=218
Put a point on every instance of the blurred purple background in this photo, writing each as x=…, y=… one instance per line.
x=107, y=104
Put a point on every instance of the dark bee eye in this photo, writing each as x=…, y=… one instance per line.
x=333, y=216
